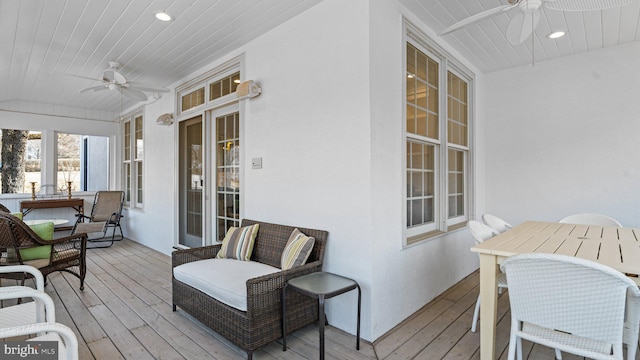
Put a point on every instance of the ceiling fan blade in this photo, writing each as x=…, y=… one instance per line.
x=477, y=18
x=94, y=88
x=132, y=93
x=584, y=5
x=77, y=76
x=521, y=26
x=147, y=87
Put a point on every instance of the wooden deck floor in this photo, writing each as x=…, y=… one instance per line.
x=125, y=313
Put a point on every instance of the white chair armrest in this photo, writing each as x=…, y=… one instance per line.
x=68, y=337
x=41, y=298
x=25, y=269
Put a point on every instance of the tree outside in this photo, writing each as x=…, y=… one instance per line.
x=14, y=146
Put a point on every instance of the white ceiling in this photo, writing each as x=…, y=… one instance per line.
x=44, y=39
x=485, y=45
x=41, y=40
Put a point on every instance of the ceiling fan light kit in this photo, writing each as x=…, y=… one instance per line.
x=523, y=23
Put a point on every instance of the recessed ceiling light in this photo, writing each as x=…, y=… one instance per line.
x=556, y=34
x=163, y=16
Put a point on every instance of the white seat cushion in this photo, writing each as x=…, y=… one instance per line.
x=223, y=279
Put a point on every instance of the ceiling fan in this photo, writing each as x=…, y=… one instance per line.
x=523, y=23
x=113, y=80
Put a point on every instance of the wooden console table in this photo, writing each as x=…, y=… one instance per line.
x=27, y=205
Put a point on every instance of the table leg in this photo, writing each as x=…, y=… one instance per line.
x=321, y=320
x=358, y=328
x=488, y=305
x=284, y=318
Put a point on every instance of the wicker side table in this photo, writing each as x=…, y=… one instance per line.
x=320, y=285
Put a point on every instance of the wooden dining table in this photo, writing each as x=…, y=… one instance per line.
x=615, y=247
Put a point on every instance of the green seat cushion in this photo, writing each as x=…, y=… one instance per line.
x=17, y=214
x=45, y=231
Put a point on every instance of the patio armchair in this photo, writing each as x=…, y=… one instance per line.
x=45, y=329
x=106, y=210
x=28, y=312
x=20, y=245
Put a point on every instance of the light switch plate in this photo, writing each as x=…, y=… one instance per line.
x=256, y=163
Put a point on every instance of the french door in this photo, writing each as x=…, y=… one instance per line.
x=191, y=183
x=227, y=167
x=209, y=171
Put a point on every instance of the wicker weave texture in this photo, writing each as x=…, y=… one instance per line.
x=564, y=295
x=69, y=253
x=261, y=323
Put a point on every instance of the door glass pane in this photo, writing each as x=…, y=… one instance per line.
x=191, y=182
x=227, y=172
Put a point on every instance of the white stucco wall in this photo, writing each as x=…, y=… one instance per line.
x=311, y=127
x=328, y=127
x=562, y=137
x=404, y=280
x=154, y=224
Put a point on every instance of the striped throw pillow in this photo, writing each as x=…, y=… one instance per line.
x=238, y=243
x=297, y=250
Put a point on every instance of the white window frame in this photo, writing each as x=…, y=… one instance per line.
x=446, y=63
x=132, y=184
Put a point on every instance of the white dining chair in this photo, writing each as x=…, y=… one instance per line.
x=590, y=219
x=496, y=223
x=480, y=233
x=570, y=304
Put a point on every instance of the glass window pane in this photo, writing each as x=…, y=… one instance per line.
x=457, y=109
x=127, y=184
x=138, y=137
x=432, y=126
x=416, y=211
x=411, y=119
x=411, y=90
x=428, y=210
x=83, y=163
x=127, y=140
x=456, y=182
x=411, y=61
x=421, y=123
x=139, y=182
x=433, y=73
x=20, y=162
x=421, y=94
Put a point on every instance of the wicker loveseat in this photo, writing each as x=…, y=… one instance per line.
x=261, y=323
